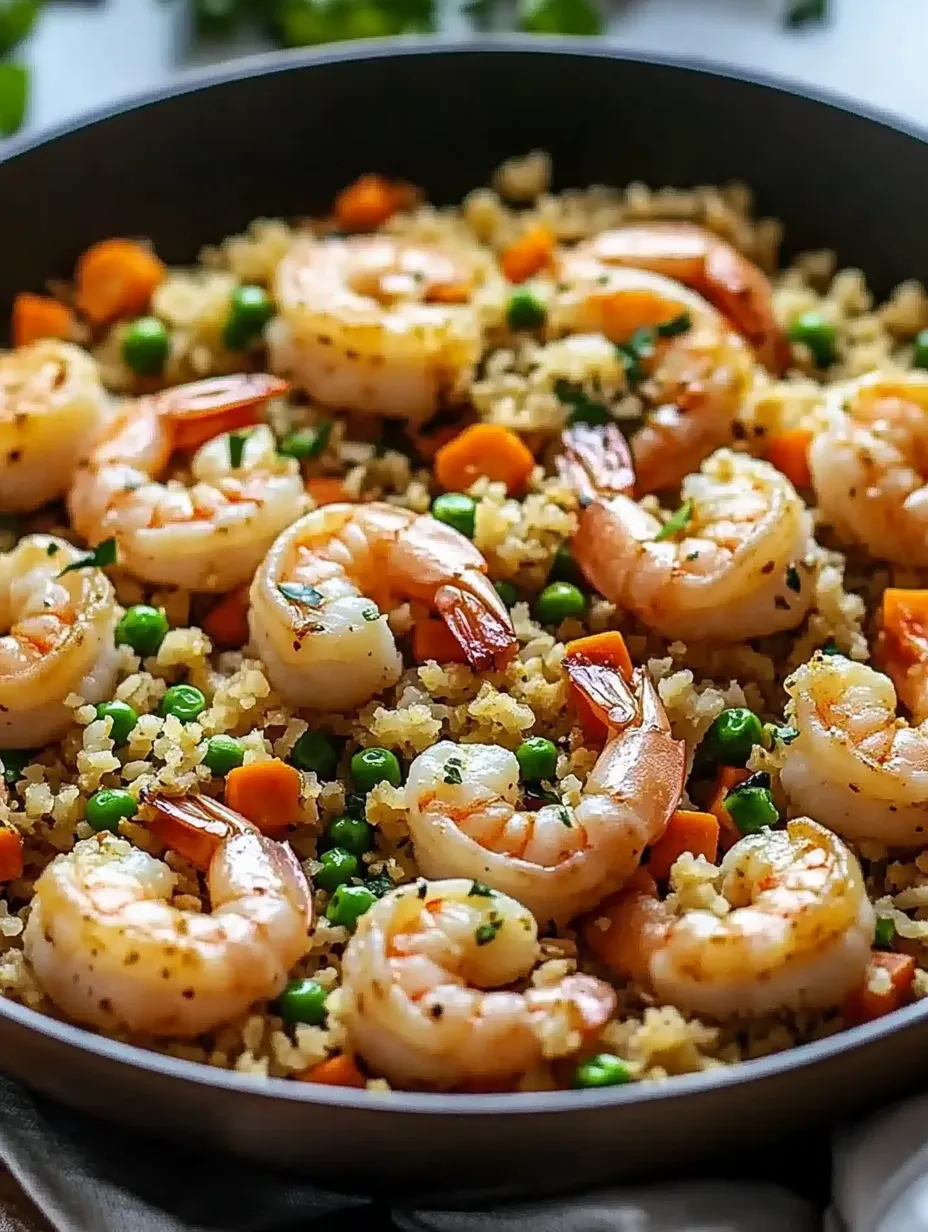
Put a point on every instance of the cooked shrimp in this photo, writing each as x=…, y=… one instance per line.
x=710, y=266
x=111, y=951
x=208, y=535
x=870, y=465
x=735, y=568
x=414, y=976
x=697, y=371
x=318, y=599
x=376, y=323
x=559, y=861
x=796, y=934
x=58, y=639
x=855, y=765
x=52, y=405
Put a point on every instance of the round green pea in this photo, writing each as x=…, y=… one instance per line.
x=559, y=601
x=537, y=758
x=338, y=867
x=348, y=904
x=316, y=753
x=250, y=309
x=351, y=834
x=732, y=736
x=457, y=510
x=183, y=701
x=143, y=628
x=372, y=766
x=146, y=345
x=920, y=351
x=223, y=753
x=123, y=719
x=507, y=592
x=602, y=1070
x=302, y=1001
x=305, y=443
x=525, y=311
x=814, y=332
x=105, y=809
x=751, y=808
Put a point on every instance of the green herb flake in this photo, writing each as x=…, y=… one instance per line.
x=237, y=448
x=104, y=554
x=793, y=580
x=371, y=613
x=485, y=933
x=564, y=815
x=52, y=549
x=298, y=592
x=677, y=523
x=675, y=326
x=453, y=768
x=479, y=890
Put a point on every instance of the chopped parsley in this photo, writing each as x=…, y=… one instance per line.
x=371, y=613
x=677, y=522
x=564, y=815
x=103, y=554
x=831, y=647
x=479, y=890
x=298, y=592
x=52, y=549
x=453, y=768
x=583, y=409
x=485, y=933
x=792, y=579
x=675, y=326
x=774, y=734
x=641, y=344
x=237, y=448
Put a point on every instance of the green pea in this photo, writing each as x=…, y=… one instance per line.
x=751, y=807
x=351, y=834
x=348, y=904
x=885, y=934
x=508, y=593
x=457, y=510
x=920, y=352
x=338, y=867
x=537, y=758
x=143, y=628
x=302, y=1001
x=146, y=345
x=814, y=332
x=14, y=762
x=602, y=1070
x=306, y=442
x=123, y=719
x=732, y=736
x=525, y=311
x=105, y=809
x=559, y=601
x=250, y=309
x=373, y=766
x=183, y=701
x=315, y=752
x=223, y=753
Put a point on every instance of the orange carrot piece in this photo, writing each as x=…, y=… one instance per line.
x=266, y=792
x=697, y=833
x=484, y=449
x=327, y=490
x=789, y=453
x=39, y=316
x=338, y=1071
x=728, y=778
x=447, y=293
x=529, y=254
x=370, y=201
x=873, y=1000
x=11, y=853
x=432, y=639
x=116, y=278
x=589, y=659
x=226, y=623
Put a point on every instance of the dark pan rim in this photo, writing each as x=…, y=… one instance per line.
x=803, y=1056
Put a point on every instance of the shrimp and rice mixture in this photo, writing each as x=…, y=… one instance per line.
x=473, y=649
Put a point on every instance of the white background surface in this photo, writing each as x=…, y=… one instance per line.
x=88, y=52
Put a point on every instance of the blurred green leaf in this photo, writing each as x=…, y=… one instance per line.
x=14, y=98
x=17, y=17
x=216, y=18
x=580, y=17
x=801, y=12
x=481, y=12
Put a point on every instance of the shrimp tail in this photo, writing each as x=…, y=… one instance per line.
x=478, y=621
x=604, y=688
x=193, y=826
x=596, y=462
x=203, y=409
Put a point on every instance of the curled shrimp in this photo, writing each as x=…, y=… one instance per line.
x=415, y=974
x=709, y=265
x=793, y=930
x=380, y=324
x=855, y=765
x=52, y=405
x=207, y=535
x=58, y=639
x=870, y=465
x=318, y=599
x=109, y=948
x=696, y=369
x=735, y=566
x=559, y=861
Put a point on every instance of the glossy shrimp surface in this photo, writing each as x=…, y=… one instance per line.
x=112, y=951
x=209, y=532
x=465, y=819
x=57, y=639
x=425, y=979
x=52, y=405
x=319, y=599
x=855, y=765
x=380, y=324
x=793, y=930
